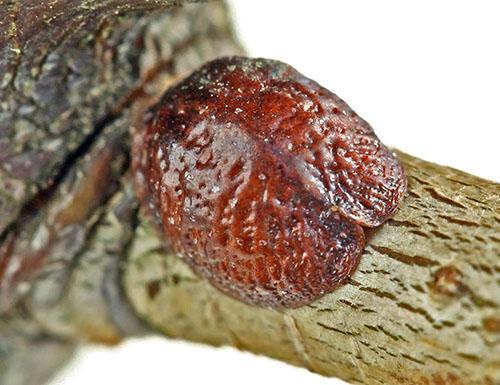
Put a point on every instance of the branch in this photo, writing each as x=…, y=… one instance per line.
x=422, y=308
x=77, y=264
x=72, y=73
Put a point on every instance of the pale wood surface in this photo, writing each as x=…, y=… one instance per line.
x=422, y=308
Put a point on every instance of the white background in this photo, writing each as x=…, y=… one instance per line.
x=425, y=74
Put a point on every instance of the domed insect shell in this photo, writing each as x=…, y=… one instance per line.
x=262, y=180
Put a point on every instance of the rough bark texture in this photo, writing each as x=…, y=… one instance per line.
x=422, y=308
x=79, y=263
x=72, y=73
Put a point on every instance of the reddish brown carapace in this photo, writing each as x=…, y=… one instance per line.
x=261, y=179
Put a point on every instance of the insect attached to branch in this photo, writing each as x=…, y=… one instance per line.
x=261, y=180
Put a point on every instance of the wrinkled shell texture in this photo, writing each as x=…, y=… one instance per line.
x=261, y=179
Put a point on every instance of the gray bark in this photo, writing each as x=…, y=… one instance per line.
x=79, y=262
x=72, y=74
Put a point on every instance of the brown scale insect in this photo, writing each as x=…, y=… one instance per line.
x=261, y=180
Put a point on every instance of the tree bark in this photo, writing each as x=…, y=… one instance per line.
x=79, y=262
x=422, y=308
x=72, y=73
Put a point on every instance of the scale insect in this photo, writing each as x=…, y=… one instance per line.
x=262, y=180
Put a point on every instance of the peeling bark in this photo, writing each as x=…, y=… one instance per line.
x=78, y=262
